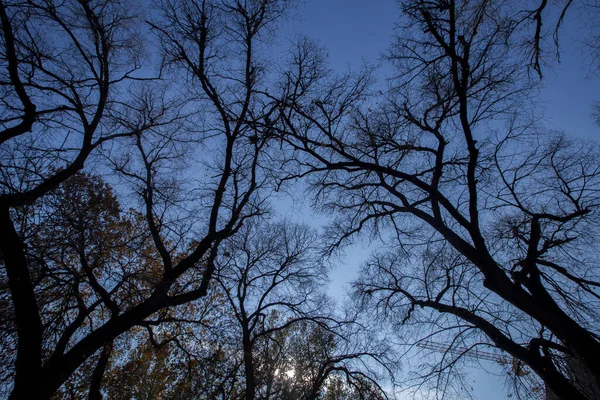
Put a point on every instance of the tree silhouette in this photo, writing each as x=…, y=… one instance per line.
x=488, y=219
x=70, y=93
x=137, y=254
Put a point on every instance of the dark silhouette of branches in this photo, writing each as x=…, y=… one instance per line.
x=292, y=342
x=483, y=216
x=82, y=273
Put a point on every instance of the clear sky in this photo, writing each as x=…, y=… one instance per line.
x=357, y=31
x=351, y=30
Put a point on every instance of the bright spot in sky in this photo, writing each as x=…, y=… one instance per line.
x=290, y=373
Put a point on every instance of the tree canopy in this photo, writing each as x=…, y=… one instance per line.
x=142, y=147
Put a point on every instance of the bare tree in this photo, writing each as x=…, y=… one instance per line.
x=491, y=223
x=267, y=271
x=273, y=279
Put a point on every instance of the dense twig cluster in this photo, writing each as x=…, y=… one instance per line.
x=163, y=268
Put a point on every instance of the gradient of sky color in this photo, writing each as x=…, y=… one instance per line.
x=357, y=31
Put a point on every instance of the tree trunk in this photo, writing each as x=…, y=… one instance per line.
x=28, y=364
x=249, y=366
x=96, y=382
x=33, y=387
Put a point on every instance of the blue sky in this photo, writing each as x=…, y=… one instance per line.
x=569, y=90
x=351, y=30
x=357, y=31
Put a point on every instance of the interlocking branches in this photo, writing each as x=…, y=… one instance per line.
x=493, y=212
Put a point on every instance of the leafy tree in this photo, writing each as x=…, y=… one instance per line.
x=85, y=260
x=61, y=65
x=319, y=363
